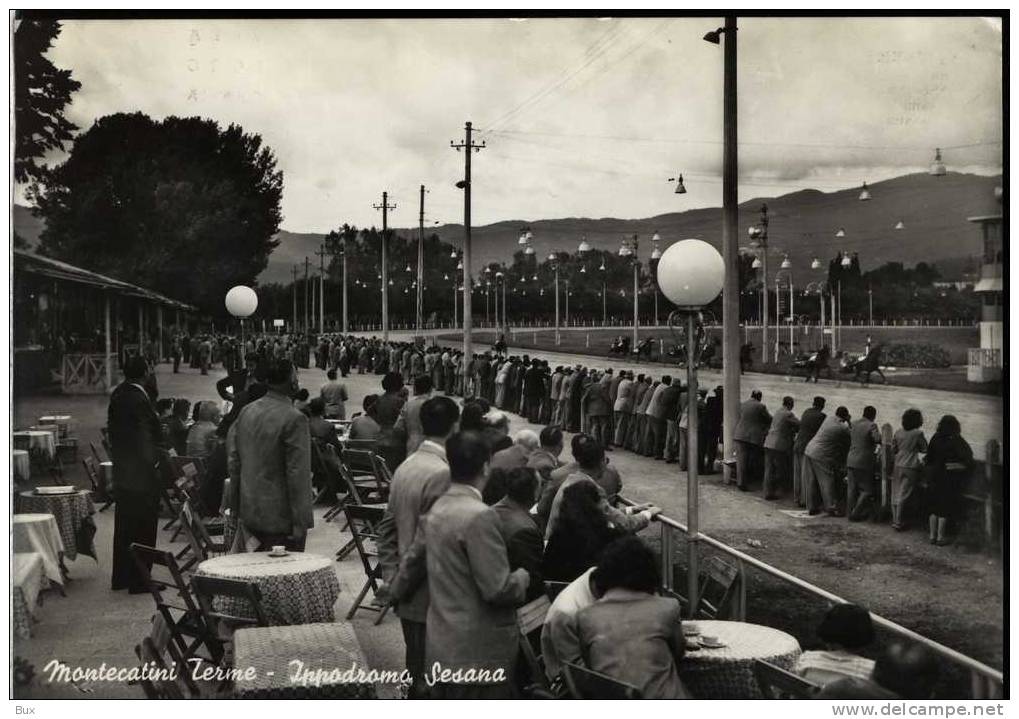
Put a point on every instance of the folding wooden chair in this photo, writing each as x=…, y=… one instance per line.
x=583, y=683
x=362, y=520
x=159, y=685
x=160, y=645
x=95, y=453
x=717, y=589
x=96, y=482
x=200, y=544
x=530, y=619
x=183, y=618
x=332, y=474
x=243, y=608
x=777, y=683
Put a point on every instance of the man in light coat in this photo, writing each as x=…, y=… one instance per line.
x=622, y=408
x=778, y=448
x=269, y=462
x=751, y=429
x=864, y=440
x=471, y=624
x=419, y=480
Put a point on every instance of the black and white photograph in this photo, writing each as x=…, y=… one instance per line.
x=509, y=354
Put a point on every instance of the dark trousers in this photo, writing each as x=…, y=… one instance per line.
x=414, y=640
x=859, y=493
x=598, y=427
x=707, y=448
x=176, y=364
x=135, y=518
x=777, y=471
x=656, y=436
x=267, y=541
x=749, y=463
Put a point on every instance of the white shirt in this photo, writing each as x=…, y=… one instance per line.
x=559, y=640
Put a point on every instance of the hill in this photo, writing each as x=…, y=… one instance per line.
x=802, y=224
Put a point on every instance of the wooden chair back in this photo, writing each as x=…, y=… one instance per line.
x=247, y=598
x=717, y=588
x=530, y=620
x=199, y=540
x=584, y=683
x=159, y=684
x=92, y=472
x=362, y=520
x=777, y=683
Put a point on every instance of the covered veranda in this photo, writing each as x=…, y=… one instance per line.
x=72, y=325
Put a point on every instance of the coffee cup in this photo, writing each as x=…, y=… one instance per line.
x=706, y=639
x=689, y=630
x=278, y=549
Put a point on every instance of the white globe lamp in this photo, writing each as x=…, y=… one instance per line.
x=690, y=274
x=241, y=301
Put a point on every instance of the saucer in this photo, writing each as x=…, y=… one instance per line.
x=712, y=645
x=279, y=554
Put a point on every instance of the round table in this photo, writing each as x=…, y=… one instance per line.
x=20, y=465
x=728, y=672
x=40, y=533
x=35, y=441
x=70, y=511
x=63, y=422
x=299, y=588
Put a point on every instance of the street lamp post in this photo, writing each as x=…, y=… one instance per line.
x=656, y=255
x=604, y=304
x=691, y=273
x=628, y=248
x=567, y=316
x=786, y=270
x=555, y=273
x=759, y=234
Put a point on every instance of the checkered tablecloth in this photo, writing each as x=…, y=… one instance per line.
x=299, y=588
x=39, y=533
x=70, y=511
x=28, y=576
x=322, y=660
x=728, y=672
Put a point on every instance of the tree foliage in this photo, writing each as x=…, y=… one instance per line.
x=179, y=205
x=41, y=93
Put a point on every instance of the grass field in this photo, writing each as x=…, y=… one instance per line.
x=955, y=340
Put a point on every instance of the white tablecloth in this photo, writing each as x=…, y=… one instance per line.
x=727, y=672
x=39, y=533
x=63, y=421
x=21, y=465
x=36, y=440
x=27, y=583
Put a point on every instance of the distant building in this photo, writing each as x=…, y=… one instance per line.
x=960, y=285
x=985, y=362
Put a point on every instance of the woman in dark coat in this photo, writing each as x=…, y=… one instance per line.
x=581, y=533
x=949, y=461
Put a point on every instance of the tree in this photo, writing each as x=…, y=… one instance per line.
x=178, y=205
x=41, y=92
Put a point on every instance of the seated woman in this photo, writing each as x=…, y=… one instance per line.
x=845, y=630
x=630, y=633
x=581, y=532
x=202, y=436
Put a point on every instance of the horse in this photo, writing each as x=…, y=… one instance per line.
x=869, y=364
x=820, y=360
x=644, y=349
x=620, y=346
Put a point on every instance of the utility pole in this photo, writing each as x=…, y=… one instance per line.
x=307, y=298
x=421, y=264
x=344, y=253
x=294, y=325
x=385, y=207
x=469, y=146
x=321, y=288
x=730, y=249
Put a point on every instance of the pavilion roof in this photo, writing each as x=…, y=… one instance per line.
x=29, y=262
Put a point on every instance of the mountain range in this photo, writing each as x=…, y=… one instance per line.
x=933, y=212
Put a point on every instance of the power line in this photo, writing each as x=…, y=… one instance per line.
x=691, y=141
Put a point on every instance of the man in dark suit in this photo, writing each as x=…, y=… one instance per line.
x=524, y=543
x=865, y=438
x=709, y=430
x=419, y=480
x=751, y=429
x=471, y=624
x=134, y=440
x=778, y=448
x=810, y=422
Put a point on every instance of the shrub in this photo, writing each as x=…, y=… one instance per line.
x=920, y=356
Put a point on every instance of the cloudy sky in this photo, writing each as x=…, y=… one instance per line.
x=582, y=117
